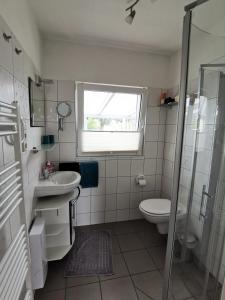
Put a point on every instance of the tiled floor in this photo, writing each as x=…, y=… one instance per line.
x=138, y=261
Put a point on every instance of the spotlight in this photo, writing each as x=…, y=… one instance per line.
x=129, y=19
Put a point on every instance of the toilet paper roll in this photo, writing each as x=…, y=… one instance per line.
x=142, y=182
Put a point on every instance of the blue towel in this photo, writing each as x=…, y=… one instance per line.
x=89, y=174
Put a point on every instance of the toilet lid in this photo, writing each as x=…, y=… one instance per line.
x=156, y=206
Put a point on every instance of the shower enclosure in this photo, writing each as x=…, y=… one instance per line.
x=195, y=260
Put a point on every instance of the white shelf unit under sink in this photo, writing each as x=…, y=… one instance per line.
x=60, y=236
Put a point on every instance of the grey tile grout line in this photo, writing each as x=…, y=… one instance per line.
x=144, y=293
x=129, y=272
x=100, y=287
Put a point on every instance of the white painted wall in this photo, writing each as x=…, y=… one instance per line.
x=66, y=61
x=18, y=16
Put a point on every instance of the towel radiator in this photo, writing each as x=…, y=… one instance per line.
x=15, y=264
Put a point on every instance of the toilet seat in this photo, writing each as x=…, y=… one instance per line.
x=156, y=207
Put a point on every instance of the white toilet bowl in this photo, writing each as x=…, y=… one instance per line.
x=157, y=211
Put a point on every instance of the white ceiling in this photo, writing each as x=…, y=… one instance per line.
x=157, y=26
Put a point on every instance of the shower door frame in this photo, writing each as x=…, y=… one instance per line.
x=179, y=142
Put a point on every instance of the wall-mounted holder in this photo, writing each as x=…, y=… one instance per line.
x=140, y=180
x=63, y=110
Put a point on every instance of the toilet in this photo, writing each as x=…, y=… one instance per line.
x=157, y=211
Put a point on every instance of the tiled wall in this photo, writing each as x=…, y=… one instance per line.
x=169, y=146
x=14, y=71
x=117, y=196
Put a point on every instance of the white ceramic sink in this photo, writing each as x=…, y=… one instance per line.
x=59, y=183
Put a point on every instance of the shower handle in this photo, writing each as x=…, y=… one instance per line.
x=204, y=193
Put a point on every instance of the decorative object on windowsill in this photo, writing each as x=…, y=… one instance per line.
x=177, y=98
x=63, y=110
x=169, y=100
x=162, y=97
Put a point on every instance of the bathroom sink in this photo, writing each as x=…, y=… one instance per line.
x=57, y=184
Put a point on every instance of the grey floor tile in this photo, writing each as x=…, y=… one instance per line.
x=158, y=255
x=130, y=242
x=115, y=245
x=84, y=292
x=179, y=290
x=55, y=295
x=80, y=280
x=118, y=289
x=151, y=239
x=143, y=225
x=119, y=268
x=139, y=261
x=55, y=279
x=142, y=296
x=123, y=227
x=150, y=283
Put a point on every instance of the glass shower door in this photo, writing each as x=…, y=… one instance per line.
x=194, y=265
x=199, y=236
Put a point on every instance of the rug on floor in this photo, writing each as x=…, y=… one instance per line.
x=91, y=253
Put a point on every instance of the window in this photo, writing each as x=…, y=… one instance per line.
x=110, y=118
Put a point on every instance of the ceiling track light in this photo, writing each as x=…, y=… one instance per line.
x=129, y=19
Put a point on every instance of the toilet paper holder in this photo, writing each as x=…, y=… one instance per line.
x=140, y=180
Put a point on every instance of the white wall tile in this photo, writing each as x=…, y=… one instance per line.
x=170, y=136
x=149, y=166
x=135, y=214
x=83, y=205
x=98, y=203
x=160, y=149
x=135, y=199
x=161, y=136
x=123, y=200
x=111, y=168
x=110, y=202
x=150, y=149
x=151, y=133
x=100, y=190
x=50, y=111
x=159, y=165
x=83, y=219
x=66, y=90
x=137, y=166
x=123, y=215
x=124, y=166
x=123, y=185
x=162, y=115
x=97, y=217
x=53, y=155
x=154, y=97
x=111, y=185
x=68, y=133
x=153, y=115
x=67, y=151
x=158, y=182
x=101, y=168
x=51, y=91
x=110, y=216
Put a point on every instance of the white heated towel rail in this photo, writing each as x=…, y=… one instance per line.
x=15, y=264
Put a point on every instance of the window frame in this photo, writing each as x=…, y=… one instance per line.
x=81, y=87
